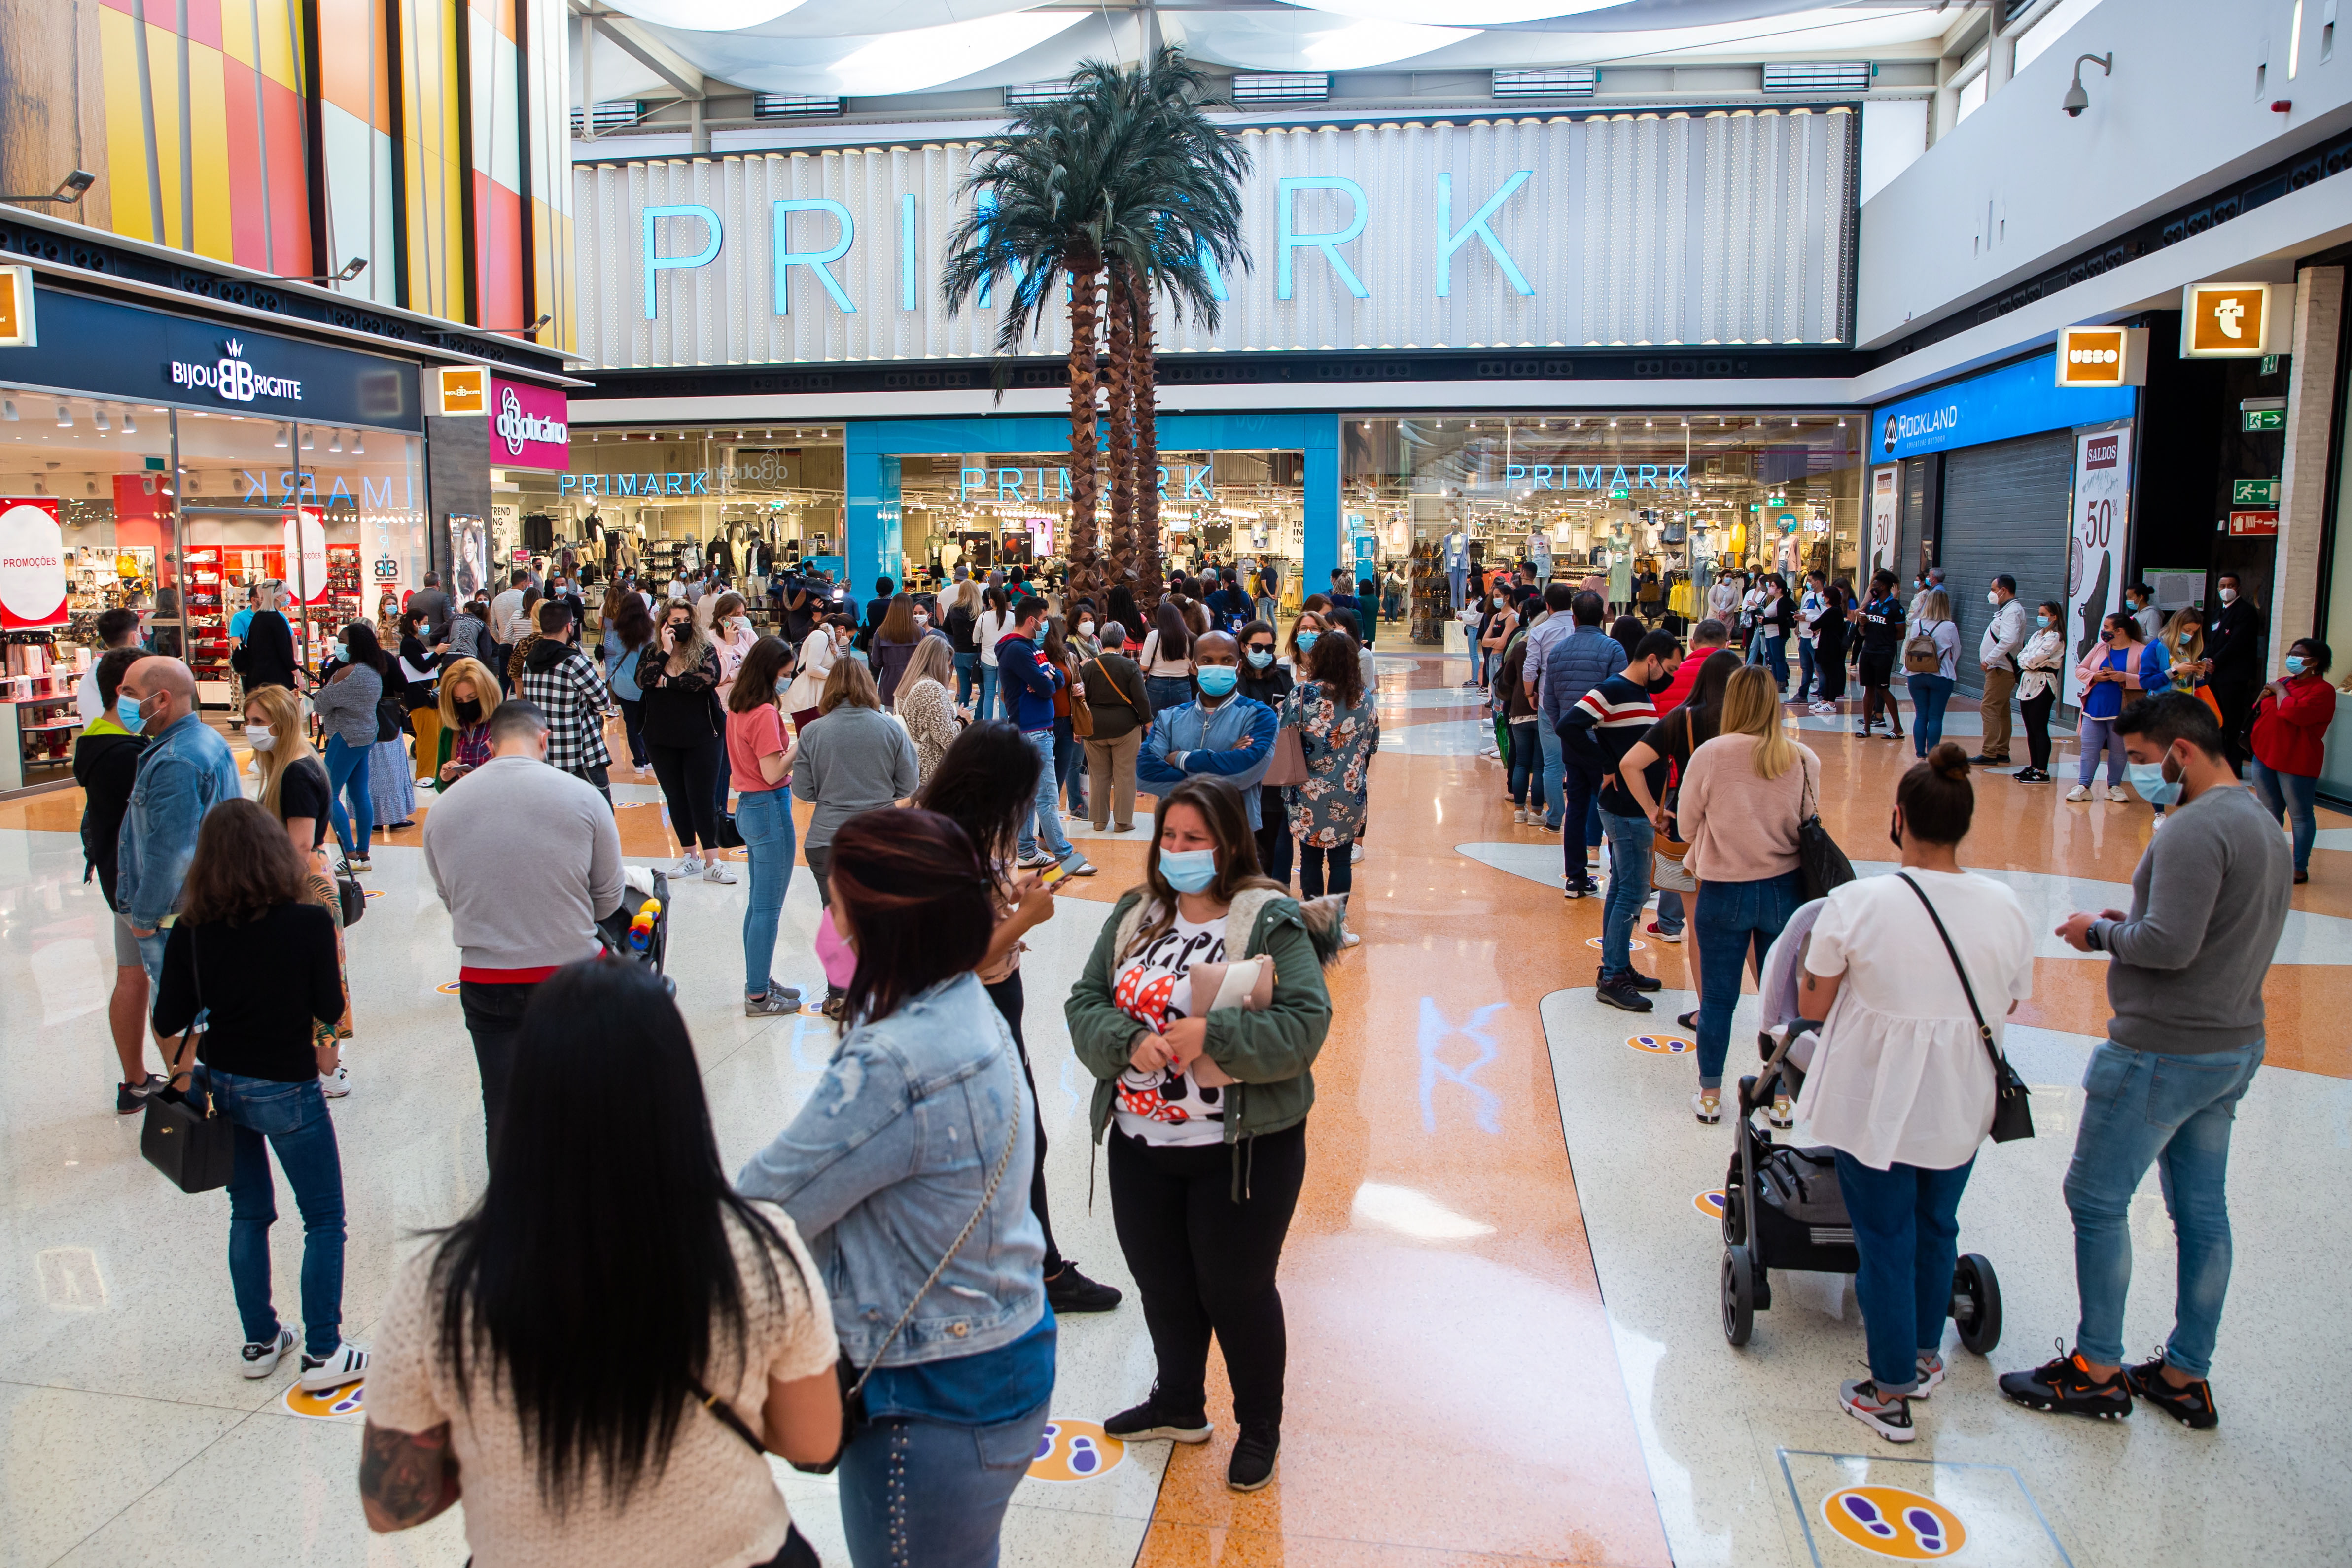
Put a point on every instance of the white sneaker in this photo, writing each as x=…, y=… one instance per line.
x=1349, y=939
x=1355, y=855
x=716, y=871
x=261, y=1359
x=690, y=866
x=1783, y=1114
x=1709, y=1111
x=345, y=1364
x=1519, y=817
x=2079, y=792
x=2116, y=793
x=336, y=1084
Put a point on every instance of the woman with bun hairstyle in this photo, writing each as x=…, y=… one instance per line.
x=1204, y=1100
x=1902, y=1087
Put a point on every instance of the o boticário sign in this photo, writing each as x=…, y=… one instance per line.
x=32, y=563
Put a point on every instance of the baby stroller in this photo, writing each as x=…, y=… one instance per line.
x=1782, y=1206
x=639, y=928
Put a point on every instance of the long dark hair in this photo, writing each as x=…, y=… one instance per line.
x=1119, y=606
x=1333, y=662
x=1175, y=633
x=768, y=661
x=1220, y=805
x=633, y=621
x=245, y=866
x=920, y=906
x=360, y=641
x=1627, y=632
x=1706, y=699
x=597, y=1275
x=986, y=785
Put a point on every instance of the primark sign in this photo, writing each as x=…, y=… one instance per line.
x=1375, y=237
x=1599, y=477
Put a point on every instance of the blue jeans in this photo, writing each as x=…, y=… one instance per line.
x=967, y=667
x=1929, y=696
x=1670, y=910
x=1582, y=791
x=1776, y=656
x=987, y=708
x=919, y=1490
x=1629, y=888
x=1046, y=826
x=1167, y=692
x=1733, y=915
x=347, y=774
x=764, y=817
x=292, y=1119
x=1527, y=761
x=2290, y=795
x=2093, y=736
x=2140, y=1108
x=1070, y=765
x=1554, y=764
x=1808, y=680
x=1907, y=1226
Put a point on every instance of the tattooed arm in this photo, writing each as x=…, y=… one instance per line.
x=406, y=1478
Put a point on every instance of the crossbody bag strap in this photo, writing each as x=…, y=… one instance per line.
x=1114, y=683
x=1984, y=1031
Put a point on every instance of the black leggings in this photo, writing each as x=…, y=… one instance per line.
x=1311, y=858
x=1205, y=1264
x=1829, y=663
x=2037, y=727
x=688, y=775
x=1007, y=996
x=1272, y=834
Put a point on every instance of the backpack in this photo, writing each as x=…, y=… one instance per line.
x=1920, y=654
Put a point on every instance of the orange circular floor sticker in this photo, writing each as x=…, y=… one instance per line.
x=1894, y=1523
x=1634, y=944
x=1662, y=1044
x=1709, y=1204
x=1075, y=1451
x=447, y=987
x=332, y=1405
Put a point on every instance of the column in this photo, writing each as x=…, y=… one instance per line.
x=2303, y=475
x=1322, y=518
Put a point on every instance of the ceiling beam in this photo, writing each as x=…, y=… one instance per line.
x=632, y=39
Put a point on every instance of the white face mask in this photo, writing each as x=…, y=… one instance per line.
x=1085, y=628
x=2229, y=596
x=1993, y=599
x=260, y=736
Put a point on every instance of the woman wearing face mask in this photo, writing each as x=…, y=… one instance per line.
x=1339, y=728
x=629, y=627
x=732, y=635
x=1931, y=689
x=2290, y=742
x=1081, y=636
x=2041, y=667
x=1775, y=619
x=2120, y=670
x=893, y=645
x=1205, y=1109
x=469, y=695
x=760, y=760
x=1301, y=642
x=994, y=625
x=1167, y=659
x=346, y=705
x=294, y=790
x=826, y=642
x=679, y=673
x=1265, y=680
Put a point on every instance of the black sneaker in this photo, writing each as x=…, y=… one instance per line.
x=2191, y=1405
x=1151, y=1420
x=1632, y=977
x=1253, y=1456
x=1619, y=992
x=1071, y=1291
x=130, y=1099
x=2064, y=1386
x=1577, y=889
x=1888, y=1415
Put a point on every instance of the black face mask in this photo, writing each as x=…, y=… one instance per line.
x=1660, y=684
x=470, y=713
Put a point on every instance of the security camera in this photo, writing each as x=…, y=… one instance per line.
x=2077, y=101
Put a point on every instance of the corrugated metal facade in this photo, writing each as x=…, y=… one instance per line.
x=1723, y=226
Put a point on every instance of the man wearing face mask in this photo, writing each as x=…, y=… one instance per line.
x=1266, y=679
x=569, y=688
x=1600, y=730
x=1220, y=735
x=1997, y=656
x=185, y=771
x=2233, y=647
x=1033, y=679
x=2208, y=902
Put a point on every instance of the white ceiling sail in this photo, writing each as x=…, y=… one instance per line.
x=1819, y=32
x=871, y=63
x=705, y=16
x=1458, y=13
x=1307, y=41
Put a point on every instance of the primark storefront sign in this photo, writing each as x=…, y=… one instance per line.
x=1621, y=479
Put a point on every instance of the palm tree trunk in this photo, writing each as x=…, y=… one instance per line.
x=1082, y=547
x=1119, y=383
x=1144, y=388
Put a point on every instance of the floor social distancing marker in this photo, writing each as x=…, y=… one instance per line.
x=447, y=987
x=1662, y=1044
x=1709, y=1204
x=1637, y=946
x=334, y=1405
x=1891, y=1522
x=1075, y=1451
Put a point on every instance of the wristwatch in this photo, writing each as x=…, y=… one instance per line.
x=2091, y=936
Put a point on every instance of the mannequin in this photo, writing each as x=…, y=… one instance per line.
x=1458, y=565
x=1540, y=554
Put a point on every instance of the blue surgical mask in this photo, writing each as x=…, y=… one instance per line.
x=1306, y=640
x=1260, y=658
x=2043, y=621
x=127, y=714
x=1216, y=680
x=2149, y=780
x=2296, y=665
x=1189, y=871
x=342, y=654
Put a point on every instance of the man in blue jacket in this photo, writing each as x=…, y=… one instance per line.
x=1574, y=665
x=1221, y=734
x=1032, y=680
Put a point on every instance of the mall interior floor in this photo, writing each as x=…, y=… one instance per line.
x=1501, y=1284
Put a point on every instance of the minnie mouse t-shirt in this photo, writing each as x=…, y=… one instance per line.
x=1165, y=1105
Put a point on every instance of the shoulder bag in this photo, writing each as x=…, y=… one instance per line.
x=1288, y=764
x=351, y=898
x=2013, y=1115
x=1823, y=863
x=1082, y=714
x=852, y=1381
x=196, y=1148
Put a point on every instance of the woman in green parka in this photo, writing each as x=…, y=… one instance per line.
x=1200, y=1013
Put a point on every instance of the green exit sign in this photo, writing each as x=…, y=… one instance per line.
x=2254, y=492
x=2265, y=418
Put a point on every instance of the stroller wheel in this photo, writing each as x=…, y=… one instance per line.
x=1734, y=1220
x=1976, y=1303
x=1738, y=1295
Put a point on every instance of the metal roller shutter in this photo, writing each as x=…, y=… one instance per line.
x=2006, y=508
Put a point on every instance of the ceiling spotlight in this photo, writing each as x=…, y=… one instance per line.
x=310, y=438
x=129, y=428
x=2077, y=101
x=281, y=437
x=8, y=410
x=98, y=418
x=65, y=417
x=335, y=441
x=359, y=443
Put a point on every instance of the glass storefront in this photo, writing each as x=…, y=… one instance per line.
x=1635, y=495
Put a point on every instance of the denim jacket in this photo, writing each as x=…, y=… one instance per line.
x=1194, y=742
x=185, y=771
x=888, y=1160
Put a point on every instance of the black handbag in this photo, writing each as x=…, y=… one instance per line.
x=351, y=898
x=2013, y=1115
x=730, y=837
x=194, y=1144
x=1823, y=864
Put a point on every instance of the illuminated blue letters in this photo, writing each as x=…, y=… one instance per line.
x=1449, y=240
x=1288, y=240
x=907, y=259
x=657, y=264
x=815, y=260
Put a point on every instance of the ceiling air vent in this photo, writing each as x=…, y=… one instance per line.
x=1029, y=95
x=613, y=114
x=1282, y=87
x=792, y=106
x=1560, y=82
x=1818, y=77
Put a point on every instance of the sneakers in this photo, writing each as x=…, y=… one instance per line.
x=261, y=1359
x=778, y=999
x=690, y=866
x=1783, y=1114
x=2191, y=1405
x=1519, y=816
x=1252, y=1466
x=2064, y=1386
x=1619, y=991
x=1349, y=939
x=346, y=1364
x=1931, y=1377
x=337, y=1084
x=1150, y=1420
x=1823, y=709
x=2079, y=792
x=1083, y=867
x=357, y=863
x=1887, y=1415
x=716, y=871
x=130, y=1099
x=1663, y=935
x=1707, y=1108
x=1038, y=859
x=1577, y=889
x=1071, y=1291
x=2116, y=793
x=2030, y=775
x=1355, y=857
